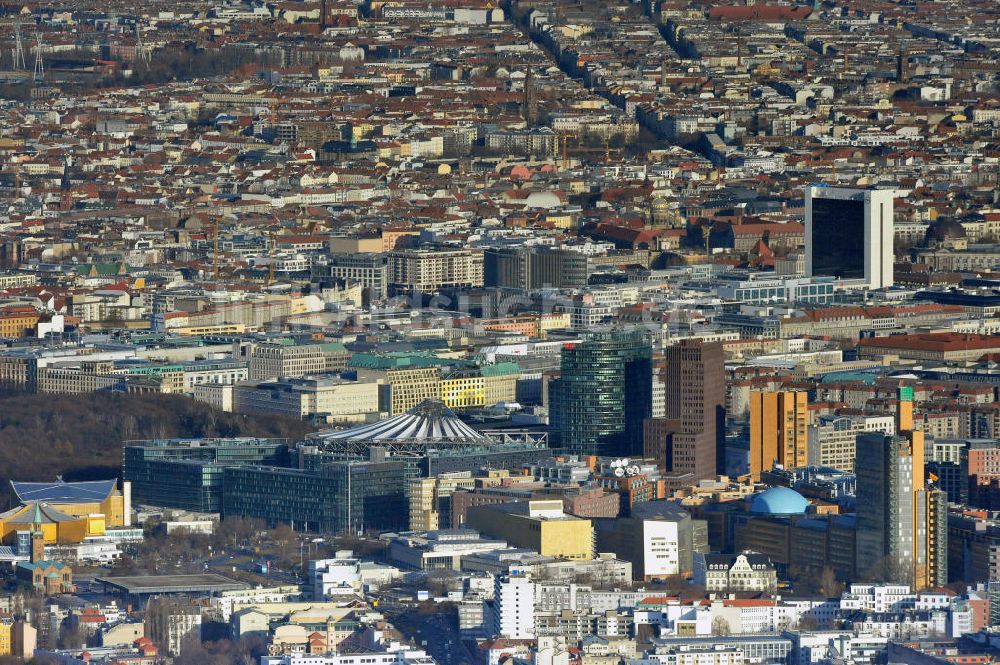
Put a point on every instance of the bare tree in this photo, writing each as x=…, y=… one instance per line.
x=440, y=581
x=720, y=627
x=808, y=623
x=887, y=569
x=71, y=638
x=829, y=585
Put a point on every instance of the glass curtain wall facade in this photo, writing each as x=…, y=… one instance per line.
x=187, y=473
x=339, y=497
x=604, y=393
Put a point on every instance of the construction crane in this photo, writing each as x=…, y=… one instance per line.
x=607, y=150
x=564, y=138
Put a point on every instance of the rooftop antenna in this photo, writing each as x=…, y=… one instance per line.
x=39, y=73
x=215, y=252
x=19, y=61
x=271, y=257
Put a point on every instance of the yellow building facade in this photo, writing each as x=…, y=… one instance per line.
x=541, y=526
x=67, y=512
x=17, y=323
x=426, y=495
x=6, y=635
x=482, y=386
x=463, y=392
x=779, y=430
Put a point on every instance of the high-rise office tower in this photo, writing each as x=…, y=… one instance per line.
x=901, y=521
x=529, y=105
x=604, y=392
x=779, y=430
x=849, y=234
x=689, y=442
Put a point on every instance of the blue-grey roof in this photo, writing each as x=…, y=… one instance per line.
x=63, y=492
x=867, y=378
x=778, y=501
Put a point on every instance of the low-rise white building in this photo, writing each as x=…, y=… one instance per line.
x=344, y=575
x=228, y=602
x=878, y=598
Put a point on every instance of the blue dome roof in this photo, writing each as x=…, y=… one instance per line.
x=778, y=501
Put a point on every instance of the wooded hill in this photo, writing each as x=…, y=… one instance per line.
x=80, y=436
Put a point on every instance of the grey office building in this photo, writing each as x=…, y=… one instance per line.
x=534, y=268
x=369, y=269
x=187, y=473
x=765, y=649
x=902, y=528
x=647, y=540
x=338, y=497
x=885, y=489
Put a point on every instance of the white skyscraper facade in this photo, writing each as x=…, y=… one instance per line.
x=514, y=607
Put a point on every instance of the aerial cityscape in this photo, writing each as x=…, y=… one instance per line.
x=500, y=332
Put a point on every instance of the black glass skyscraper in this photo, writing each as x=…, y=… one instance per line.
x=849, y=234
x=840, y=224
x=598, y=404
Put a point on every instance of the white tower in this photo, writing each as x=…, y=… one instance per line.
x=39, y=73
x=141, y=50
x=19, y=61
x=514, y=607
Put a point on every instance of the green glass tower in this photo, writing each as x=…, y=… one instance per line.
x=604, y=392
